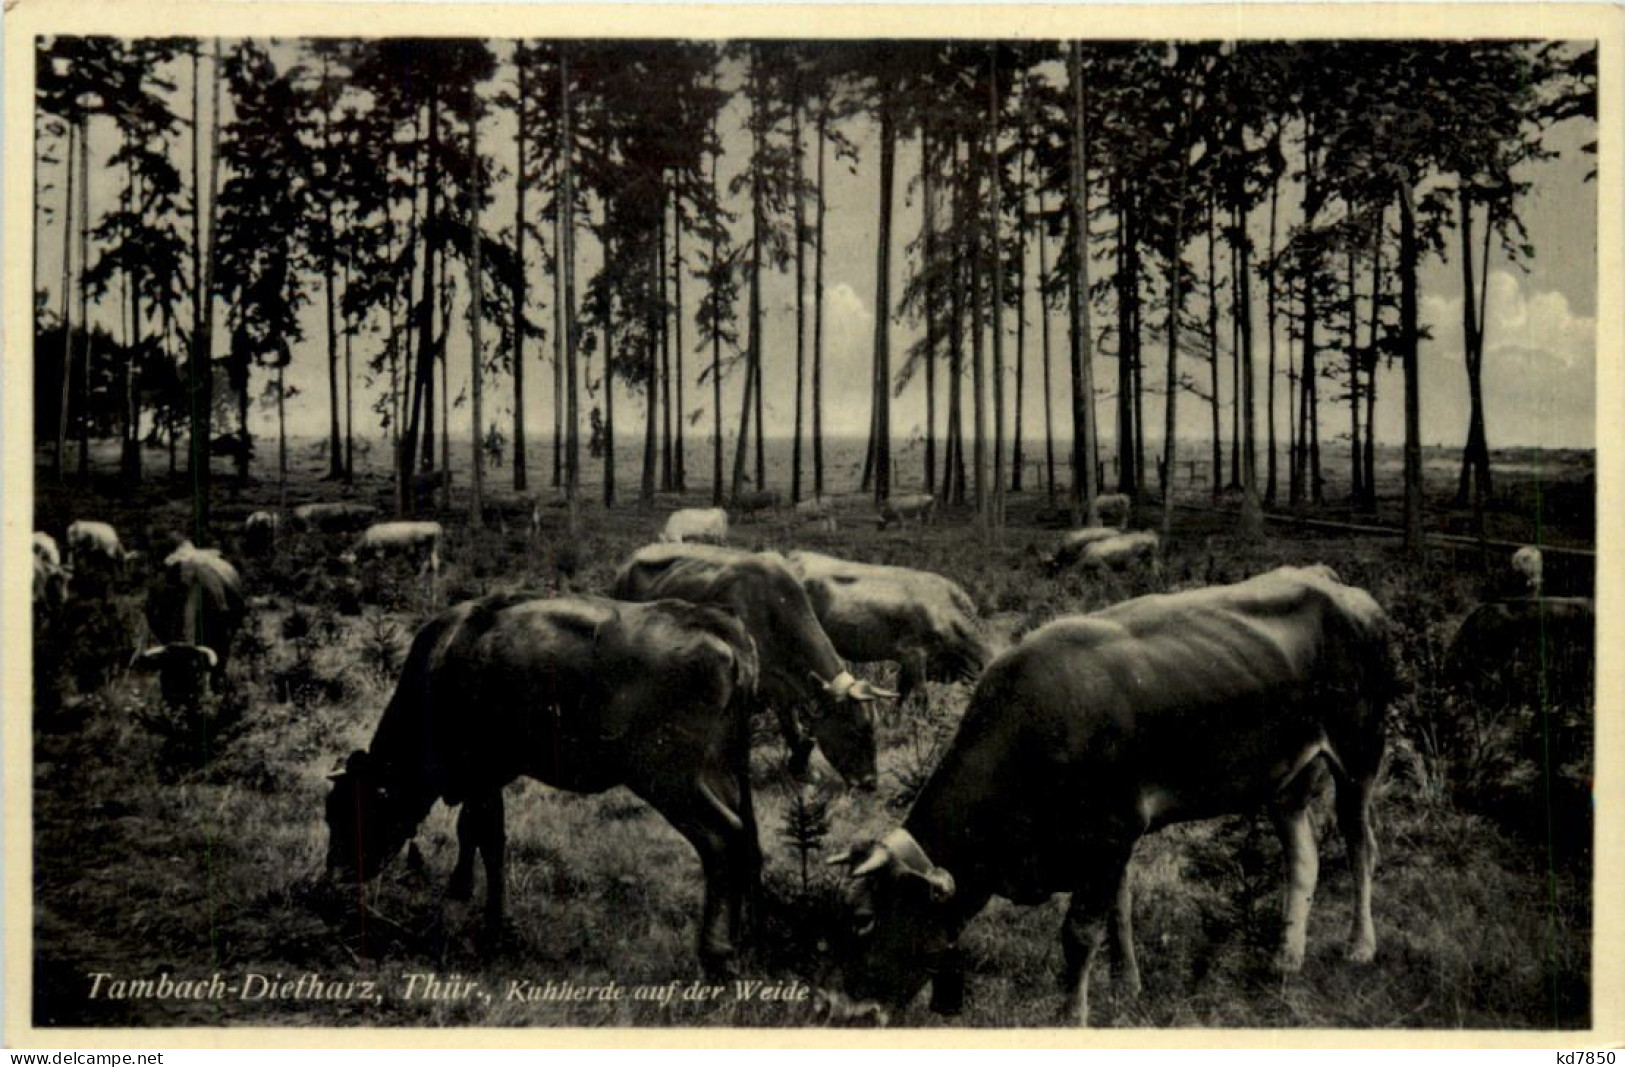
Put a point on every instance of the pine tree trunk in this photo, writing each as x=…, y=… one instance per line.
x=1269, y=314
x=799, y=221
x=758, y=222
x=888, y=166
x=1018, y=458
x=953, y=475
x=996, y=262
x=1356, y=452
x=932, y=286
x=1084, y=486
x=1217, y=438
x=84, y=254
x=521, y=475
x=818, y=321
x=559, y=340
x=1252, y=512
x=663, y=331
x=1474, y=482
x=572, y=406
x=476, y=504
x=130, y=460
x=680, y=467
x=335, y=440
x=1409, y=256
x=1370, y=501
x=1125, y=329
x=58, y=461
x=978, y=324
x=422, y=384
x=652, y=335
x=605, y=321
x=1049, y=392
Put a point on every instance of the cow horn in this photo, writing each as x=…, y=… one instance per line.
x=941, y=883
x=877, y=859
x=843, y=858
x=867, y=690
x=214, y=660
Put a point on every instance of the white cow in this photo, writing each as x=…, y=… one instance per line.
x=1074, y=543
x=817, y=510
x=1528, y=564
x=1111, y=509
x=696, y=524
x=45, y=548
x=918, y=506
x=419, y=539
x=50, y=579
x=1122, y=551
x=94, y=550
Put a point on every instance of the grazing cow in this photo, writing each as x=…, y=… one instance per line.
x=419, y=540
x=94, y=551
x=582, y=694
x=196, y=611
x=817, y=510
x=1528, y=648
x=1073, y=545
x=45, y=548
x=50, y=578
x=923, y=622
x=696, y=524
x=1099, y=729
x=1111, y=509
x=1123, y=551
x=921, y=507
x=800, y=667
x=259, y=532
x=1527, y=564
x=334, y=518
x=752, y=503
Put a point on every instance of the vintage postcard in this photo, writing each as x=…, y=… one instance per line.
x=1076, y=525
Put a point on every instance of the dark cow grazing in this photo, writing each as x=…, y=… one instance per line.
x=195, y=611
x=1138, y=548
x=582, y=694
x=923, y=622
x=239, y=447
x=800, y=667
x=1532, y=649
x=259, y=532
x=750, y=504
x=1099, y=729
x=919, y=507
x=334, y=518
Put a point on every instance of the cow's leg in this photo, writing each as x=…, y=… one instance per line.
x=1290, y=814
x=1358, y=760
x=1123, y=929
x=708, y=811
x=481, y=827
x=1354, y=819
x=796, y=739
x=910, y=676
x=1083, y=931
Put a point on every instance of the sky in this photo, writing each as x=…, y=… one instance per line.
x=1540, y=355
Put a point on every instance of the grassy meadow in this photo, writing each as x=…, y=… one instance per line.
x=167, y=845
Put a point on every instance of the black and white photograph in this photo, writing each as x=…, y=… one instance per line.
x=1165, y=598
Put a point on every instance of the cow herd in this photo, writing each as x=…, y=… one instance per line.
x=1078, y=740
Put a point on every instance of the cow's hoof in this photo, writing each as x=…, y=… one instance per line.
x=461, y=886
x=1361, y=952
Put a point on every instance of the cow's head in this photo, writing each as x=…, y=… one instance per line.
x=183, y=671
x=843, y=723
x=366, y=822
x=900, y=907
